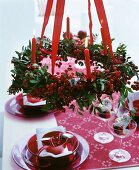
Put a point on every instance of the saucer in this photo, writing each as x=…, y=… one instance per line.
x=20, y=148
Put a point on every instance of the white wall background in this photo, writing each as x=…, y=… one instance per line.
x=16, y=23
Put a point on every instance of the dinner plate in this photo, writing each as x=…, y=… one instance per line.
x=19, y=150
x=60, y=149
x=13, y=107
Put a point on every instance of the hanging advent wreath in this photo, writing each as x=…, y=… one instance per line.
x=75, y=67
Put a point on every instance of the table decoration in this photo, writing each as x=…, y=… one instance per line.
x=105, y=115
x=52, y=77
x=20, y=149
x=121, y=127
x=25, y=100
x=16, y=108
x=132, y=106
x=42, y=131
x=33, y=57
x=52, y=148
x=87, y=60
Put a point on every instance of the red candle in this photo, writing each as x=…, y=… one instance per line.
x=68, y=28
x=103, y=41
x=90, y=22
x=87, y=60
x=33, y=59
x=104, y=23
x=57, y=30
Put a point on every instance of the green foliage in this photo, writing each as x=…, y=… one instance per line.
x=61, y=90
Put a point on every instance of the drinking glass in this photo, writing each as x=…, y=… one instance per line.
x=121, y=155
x=104, y=137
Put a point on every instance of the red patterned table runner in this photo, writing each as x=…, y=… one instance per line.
x=98, y=158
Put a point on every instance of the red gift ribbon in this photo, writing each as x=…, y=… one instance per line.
x=46, y=17
x=57, y=30
x=104, y=23
x=90, y=22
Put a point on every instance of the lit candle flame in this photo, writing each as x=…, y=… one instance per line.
x=86, y=42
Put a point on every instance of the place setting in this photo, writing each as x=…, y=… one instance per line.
x=53, y=148
x=105, y=114
x=23, y=105
x=121, y=127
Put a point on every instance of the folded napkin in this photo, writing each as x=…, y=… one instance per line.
x=40, y=132
x=27, y=100
x=31, y=101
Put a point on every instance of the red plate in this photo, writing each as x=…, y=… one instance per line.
x=13, y=107
x=60, y=149
x=20, y=149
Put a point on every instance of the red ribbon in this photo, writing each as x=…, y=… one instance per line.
x=90, y=22
x=57, y=30
x=46, y=17
x=103, y=21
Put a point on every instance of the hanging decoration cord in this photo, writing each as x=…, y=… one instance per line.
x=104, y=23
x=57, y=30
x=46, y=18
x=90, y=22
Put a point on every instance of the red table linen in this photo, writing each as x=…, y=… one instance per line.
x=86, y=126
